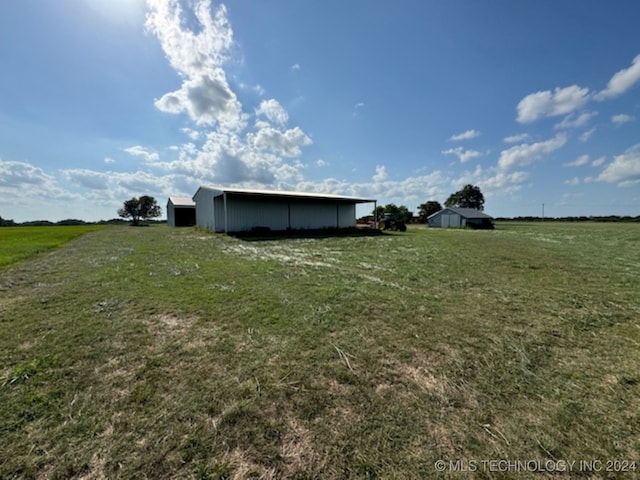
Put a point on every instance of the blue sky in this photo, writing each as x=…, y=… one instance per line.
x=533, y=101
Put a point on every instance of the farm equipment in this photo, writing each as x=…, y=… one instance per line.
x=391, y=222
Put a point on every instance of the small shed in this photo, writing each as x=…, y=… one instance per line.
x=232, y=210
x=455, y=217
x=181, y=212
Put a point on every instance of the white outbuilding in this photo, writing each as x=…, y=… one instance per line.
x=231, y=210
x=454, y=217
x=181, y=212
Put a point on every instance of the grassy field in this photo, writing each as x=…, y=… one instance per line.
x=172, y=353
x=20, y=243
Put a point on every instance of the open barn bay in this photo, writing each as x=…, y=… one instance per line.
x=173, y=353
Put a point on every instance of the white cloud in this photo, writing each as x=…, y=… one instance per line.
x=381, y=174
x=622, y=81
x=141, y=152
x=622, y=118
x=575, y=121
x=463, y=155
x=599, y=161
x=205, y=94
x=191, y=133
x=321, y=163
x=20, y=174
x=468, y=135
x=88, y=178
x=573, y=181
x=233, y=151
x=525, y=154
x=516, y=138
x=109, y=160
x=274, y=112
x=287, y=143
x=549, y=104
x=295, y=67
x=587, y=135
x=578, y=162
x=421, y=187
x=624, y=169
x=492, y=181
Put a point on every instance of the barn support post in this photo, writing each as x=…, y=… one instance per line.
x=337, y=214
x=224, y=201
x=375, y=214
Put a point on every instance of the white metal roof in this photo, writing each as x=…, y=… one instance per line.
x=182, y=201
x=463, y=212
x=283, y=193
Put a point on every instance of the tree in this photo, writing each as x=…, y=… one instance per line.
x=140, y=208
x=427, y=209
x=400, y=213
x=469, y=197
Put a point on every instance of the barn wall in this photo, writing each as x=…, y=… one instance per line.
x=246, y=213
x=346, y=215
x=205, y=217
x=309, y=215
x=170, y=215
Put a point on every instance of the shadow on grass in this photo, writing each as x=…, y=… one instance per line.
x=259, y=234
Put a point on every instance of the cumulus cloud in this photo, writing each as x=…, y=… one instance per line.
x=516, y=138
x=492, y=181
x=622, y=118
x=88, y=178
x=549, y=103
x=468, y=135
x=573, y=181
x=622, y=81
x=18, y=174
x=578, y=162
x=587, y=135
x=462, y=154
x=381, y=174
x=575, y=121
x=525, y=154
x=273, y=111
x=624, y=169
x=144, y=153
x=599, y=161
x=205, y=94
x=287, y=143
x=232, y=151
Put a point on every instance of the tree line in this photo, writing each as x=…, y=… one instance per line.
x=470, y=196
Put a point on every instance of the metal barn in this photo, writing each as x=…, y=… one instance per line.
x=454, y=217
x=181, y=212
x=232, y=210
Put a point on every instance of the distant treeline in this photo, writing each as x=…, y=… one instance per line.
x=69, y=221
x=606, y=218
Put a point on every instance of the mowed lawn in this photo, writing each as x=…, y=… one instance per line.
x=173, y=353
x=20, y=243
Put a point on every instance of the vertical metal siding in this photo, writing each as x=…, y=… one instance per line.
x=171, y=219
x=346, y=215
x=205, y=217
x=313, y=215
x=245, y=212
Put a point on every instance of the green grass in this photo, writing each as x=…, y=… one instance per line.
x=20, y=243
x=173, y=353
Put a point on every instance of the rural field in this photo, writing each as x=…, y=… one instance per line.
x=160, y=353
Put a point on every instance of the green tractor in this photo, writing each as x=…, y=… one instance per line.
x=391, y=222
